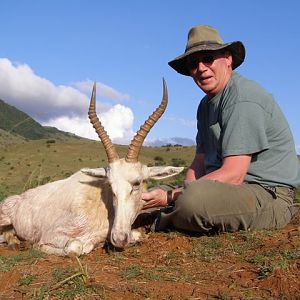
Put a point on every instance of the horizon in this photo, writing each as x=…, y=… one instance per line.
x=52, y=52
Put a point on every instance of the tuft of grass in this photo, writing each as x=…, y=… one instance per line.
x=132, y=271
x=9, y=262
x=69, y=283
x=269, y=261
x=26, y=279
x=206, y=249
x=137, y=290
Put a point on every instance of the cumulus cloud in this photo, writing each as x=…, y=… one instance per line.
x=117, y=121
x=35, y=95
x=103, y=90
x=63, y=107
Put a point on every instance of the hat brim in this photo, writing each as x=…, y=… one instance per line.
x=236, y=48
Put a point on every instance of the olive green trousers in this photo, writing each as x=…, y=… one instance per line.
x=211, y=206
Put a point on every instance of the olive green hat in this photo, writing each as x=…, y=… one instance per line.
x=204, y=38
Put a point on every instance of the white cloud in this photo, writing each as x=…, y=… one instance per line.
x=63, y=107
x=37, y=96
x=103, y=90
x=298, y=149
x=117, y=121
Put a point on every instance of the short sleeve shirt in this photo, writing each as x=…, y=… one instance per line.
x=245, y=119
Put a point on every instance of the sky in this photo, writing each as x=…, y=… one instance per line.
x=52, y=51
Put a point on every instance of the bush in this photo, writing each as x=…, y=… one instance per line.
x=158, y=158
x=178, y=162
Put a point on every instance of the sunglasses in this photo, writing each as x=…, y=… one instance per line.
x=207, y=60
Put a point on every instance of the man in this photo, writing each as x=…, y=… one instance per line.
x=245, y=170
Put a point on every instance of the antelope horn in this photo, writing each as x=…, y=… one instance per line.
x=110, y=150
x=136, y=143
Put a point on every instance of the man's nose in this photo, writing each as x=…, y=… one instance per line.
x=201, y=66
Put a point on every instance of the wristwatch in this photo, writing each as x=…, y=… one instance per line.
x=170, y=201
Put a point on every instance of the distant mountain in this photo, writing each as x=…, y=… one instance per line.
x=170, y=141
x=15, y=121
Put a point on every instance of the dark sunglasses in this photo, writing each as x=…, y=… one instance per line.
x=207, y=59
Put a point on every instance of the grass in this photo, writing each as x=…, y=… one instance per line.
x=132, y=271
x=138, y=290
x=206, y=249
x=33, y=163
x=269, y=261
x=9, y=262
x=26, y=279
x=69, y=283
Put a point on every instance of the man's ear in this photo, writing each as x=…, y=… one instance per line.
x=97, y=172
x=229, y=58
x=162, y=172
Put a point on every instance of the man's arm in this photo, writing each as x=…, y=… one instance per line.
x=233, y=170
x=196, y=170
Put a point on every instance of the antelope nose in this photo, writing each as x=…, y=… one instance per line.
x=119, y=240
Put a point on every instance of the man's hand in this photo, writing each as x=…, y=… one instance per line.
x=157, y=197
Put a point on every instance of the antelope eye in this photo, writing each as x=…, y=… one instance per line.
x=136, y=185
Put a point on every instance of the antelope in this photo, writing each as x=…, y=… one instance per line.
x=72, y=216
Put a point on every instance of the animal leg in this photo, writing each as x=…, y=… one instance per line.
x=7, y=207
x=73, y=247
x=48, y=249
x=9, y=236
x=135, y=236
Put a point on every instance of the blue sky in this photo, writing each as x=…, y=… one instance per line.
x=52, y=51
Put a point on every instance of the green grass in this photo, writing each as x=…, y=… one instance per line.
x=132, y=271
x=269, y=261
x=69, y=283
x=9, y=262
x=33, y=163
x=26, y=280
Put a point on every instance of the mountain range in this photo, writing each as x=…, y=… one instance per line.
x=17, y=123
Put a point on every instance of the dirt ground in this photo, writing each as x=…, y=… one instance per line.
x=244, y=265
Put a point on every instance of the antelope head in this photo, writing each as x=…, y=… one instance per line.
x=126, y=175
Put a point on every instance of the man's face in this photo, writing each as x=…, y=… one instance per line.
x=211, y=70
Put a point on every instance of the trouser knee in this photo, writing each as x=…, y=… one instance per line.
x=207, y=204
x=195, y=198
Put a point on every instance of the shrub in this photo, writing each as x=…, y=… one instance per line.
x=50, y=142
x=178, y=162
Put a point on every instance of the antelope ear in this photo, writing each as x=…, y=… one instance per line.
x=97, y=172
x=163, y=172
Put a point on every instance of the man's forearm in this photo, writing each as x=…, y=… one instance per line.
x=196, y=170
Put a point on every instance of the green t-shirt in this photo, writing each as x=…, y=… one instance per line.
x=245, y=119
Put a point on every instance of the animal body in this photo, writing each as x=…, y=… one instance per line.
x=74, y=215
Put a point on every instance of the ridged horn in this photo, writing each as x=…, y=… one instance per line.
x=110, y=150
x=136, y=143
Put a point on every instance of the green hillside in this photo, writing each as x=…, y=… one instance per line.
x=15, y=121
x=7, y=138
x=28, y=164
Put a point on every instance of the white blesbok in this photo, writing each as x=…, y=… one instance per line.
x=74, y=215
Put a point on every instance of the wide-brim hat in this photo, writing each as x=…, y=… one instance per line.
x=206, y=38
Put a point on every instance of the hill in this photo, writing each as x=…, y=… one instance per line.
x=17, y=122
x=7, y=138
x=33, y=162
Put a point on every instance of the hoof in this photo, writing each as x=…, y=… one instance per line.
x=73, y=248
